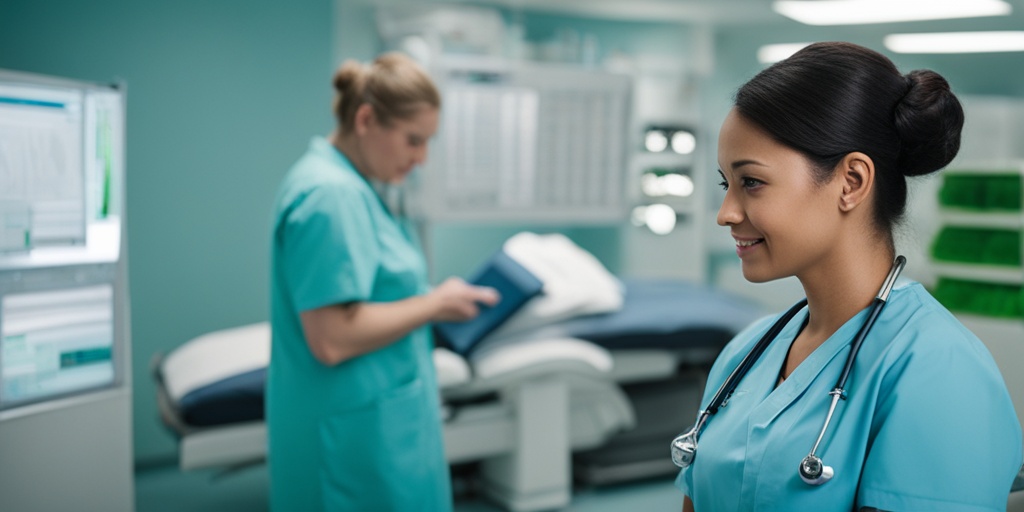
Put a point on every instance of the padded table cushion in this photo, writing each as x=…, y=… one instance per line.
x=219, y=378
x=659, y=313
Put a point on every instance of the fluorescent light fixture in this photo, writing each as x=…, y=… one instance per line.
x=859, y=12
x=770, y=53
x=956, y=42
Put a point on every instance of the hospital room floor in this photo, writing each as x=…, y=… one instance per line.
x=166, y=489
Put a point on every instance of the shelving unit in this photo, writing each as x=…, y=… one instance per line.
x=644, y=162
x=988, y=297
x=680, y=253
x=978, y=252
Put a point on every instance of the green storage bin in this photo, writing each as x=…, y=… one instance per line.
x=988, y=299
x=960, y=191
x=978, y=245
x=1003, y=193
x=998, y=193
x=982, y=192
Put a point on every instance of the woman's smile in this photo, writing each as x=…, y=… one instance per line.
x=745, y=246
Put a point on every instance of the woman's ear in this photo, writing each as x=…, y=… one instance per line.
x=364, y=118
x=857, y=174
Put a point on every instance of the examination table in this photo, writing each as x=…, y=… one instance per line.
x=595, y=398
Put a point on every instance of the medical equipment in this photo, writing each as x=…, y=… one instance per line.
x=65, y=333
x=811, y=469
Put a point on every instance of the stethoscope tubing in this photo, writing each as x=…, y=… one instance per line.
x=748, y=361
x=876, y=310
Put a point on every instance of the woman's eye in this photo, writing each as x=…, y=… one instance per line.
x=724, y=184
x=750, y=182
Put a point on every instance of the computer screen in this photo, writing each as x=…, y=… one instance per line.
x=56, y=332
x=41, y=169
x=61, y=169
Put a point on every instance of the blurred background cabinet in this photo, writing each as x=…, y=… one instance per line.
x=977, y=259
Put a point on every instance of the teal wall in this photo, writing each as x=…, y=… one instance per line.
x=222, y=97
x=458, y=249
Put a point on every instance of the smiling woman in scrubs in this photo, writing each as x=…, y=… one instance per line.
x=352, y=398
x=814, y=158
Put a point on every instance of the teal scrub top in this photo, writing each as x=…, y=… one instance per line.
x=927, y=425
x=365, y=434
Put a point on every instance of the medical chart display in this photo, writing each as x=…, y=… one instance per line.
x=55, y=342
x=61, y=219
x=41, y=155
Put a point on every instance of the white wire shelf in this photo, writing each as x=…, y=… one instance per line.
x=997, y=274
x=978, y=219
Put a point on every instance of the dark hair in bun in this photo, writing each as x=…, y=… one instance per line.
x=928, y=120
x=831, y=99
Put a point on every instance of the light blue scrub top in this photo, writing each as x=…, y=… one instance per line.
x=366, y=434
x=928, y=424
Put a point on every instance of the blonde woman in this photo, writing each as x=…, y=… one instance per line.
x=352, y=401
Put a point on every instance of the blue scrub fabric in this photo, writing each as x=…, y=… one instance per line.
x=365, y=434
x=927, y=426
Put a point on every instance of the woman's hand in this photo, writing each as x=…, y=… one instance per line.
x=456, y=301
x=339, y=332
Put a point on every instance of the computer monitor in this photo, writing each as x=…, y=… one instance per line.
x=61, y=163
x=61, y=219
x=57, y=332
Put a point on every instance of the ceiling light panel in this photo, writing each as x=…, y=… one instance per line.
x=956, y=42
x=860, y=12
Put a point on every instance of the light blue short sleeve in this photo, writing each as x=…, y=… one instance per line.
x=329, y=250
x=946, y=406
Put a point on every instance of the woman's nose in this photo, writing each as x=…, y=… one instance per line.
x=730, y=212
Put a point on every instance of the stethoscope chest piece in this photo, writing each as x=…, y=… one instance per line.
x=684, y=449
x=814, y=472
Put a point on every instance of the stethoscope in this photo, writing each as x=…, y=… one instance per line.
x=812, y=470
